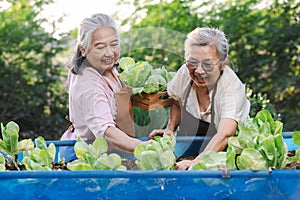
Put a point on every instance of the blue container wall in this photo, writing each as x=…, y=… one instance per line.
x=241, y=184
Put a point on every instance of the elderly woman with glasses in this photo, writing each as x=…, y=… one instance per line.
x=209, y=97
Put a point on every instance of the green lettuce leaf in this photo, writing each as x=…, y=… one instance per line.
x=251, y=159
x=126, y=63
x=296, y=137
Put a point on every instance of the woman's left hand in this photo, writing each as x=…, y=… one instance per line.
x=160, y=132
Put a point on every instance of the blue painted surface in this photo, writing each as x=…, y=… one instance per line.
x=208, y=184
x=242, y=184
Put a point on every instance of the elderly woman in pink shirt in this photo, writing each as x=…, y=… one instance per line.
x=99, y=103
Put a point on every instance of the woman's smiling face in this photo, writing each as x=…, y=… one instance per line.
x=104, y=49
x=204, y=65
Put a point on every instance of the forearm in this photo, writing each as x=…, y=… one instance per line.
x=120, y=140
x=175, y=117
x=219, y=142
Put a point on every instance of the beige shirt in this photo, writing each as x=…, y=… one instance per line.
x=230, y=98
x=92, y=106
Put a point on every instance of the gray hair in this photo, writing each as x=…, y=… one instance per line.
x=208, y=36
x=86, y=29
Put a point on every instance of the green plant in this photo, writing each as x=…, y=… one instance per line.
x=10, y=145
x=211, y=161
x=32, y=80
x=35, y=157
x=296, y=139
x=142, y=77
x=157, y=155
x=41, y=157
x=2, y=163
x=257, y=145
x=94, y=157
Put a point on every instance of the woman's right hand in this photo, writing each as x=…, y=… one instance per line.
x=185, y=164
x=160, y=132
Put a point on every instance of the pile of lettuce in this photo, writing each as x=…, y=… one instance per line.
x=257, y=145
x=142, y=77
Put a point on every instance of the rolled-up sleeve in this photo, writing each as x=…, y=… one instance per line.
x=98, y=114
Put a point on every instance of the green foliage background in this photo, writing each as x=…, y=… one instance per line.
x=264, y=38
x=32, y=89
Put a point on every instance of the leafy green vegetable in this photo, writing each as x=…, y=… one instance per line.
x=230, y=158
x=296, y=139
x=126, y=62
x=251, y=159
x=261, y=138
x=257, y=145
x=158, y=155
x=41, y=157
x=94, y=157
x=10, y=135
x=10, y=145
x=137, y=75
x=142, y=77
x=2, y=163
x=154, y=84
x=210, y=161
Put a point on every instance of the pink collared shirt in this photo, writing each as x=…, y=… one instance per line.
x=92, y=106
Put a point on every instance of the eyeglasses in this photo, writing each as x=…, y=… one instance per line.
x=207, y=66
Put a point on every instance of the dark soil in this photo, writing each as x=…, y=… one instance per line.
x=60, y=167
x=130, y=164
x=293, y=165
x=11, y=166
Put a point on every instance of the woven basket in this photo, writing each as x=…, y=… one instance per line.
x=152, y=101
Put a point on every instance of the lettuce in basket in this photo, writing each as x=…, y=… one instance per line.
x=154, y=84
x=142, y=77
x=137, y=74
x=126, y=62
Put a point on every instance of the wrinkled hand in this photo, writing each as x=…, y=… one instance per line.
x=160, y=132
x=185, y=164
